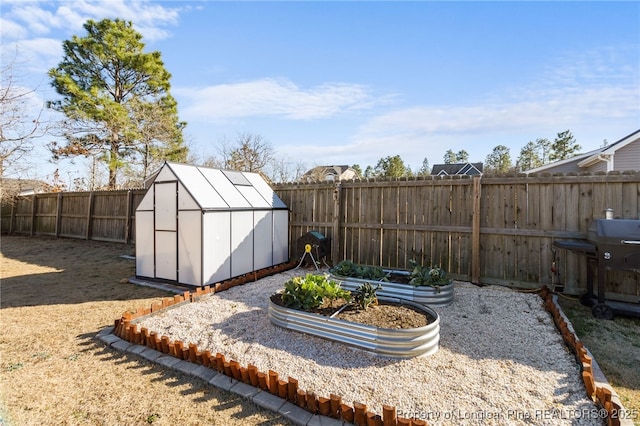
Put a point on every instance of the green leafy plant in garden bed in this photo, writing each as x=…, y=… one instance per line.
x=311, y=291
x=418, y=276
x=428, y=275
x=347, y=268
x=365, y=296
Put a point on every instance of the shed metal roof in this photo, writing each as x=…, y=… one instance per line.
x=217, y=189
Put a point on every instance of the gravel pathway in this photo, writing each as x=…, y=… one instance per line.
x=501, y=359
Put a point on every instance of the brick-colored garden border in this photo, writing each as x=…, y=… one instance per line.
x=331, y=406
x=599, y=394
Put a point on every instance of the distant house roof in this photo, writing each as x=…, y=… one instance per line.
x=12, y=187
x=567, y=162
x=609, y=149
x=330, y=173
x=456, y=169
x=587, y=159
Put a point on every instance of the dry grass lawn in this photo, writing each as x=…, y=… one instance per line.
x=56, y=294
x=615, y=346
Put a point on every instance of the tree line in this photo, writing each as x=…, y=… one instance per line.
x=119, y=113
x=533, y=154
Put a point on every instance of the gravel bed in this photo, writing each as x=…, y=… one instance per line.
x=500, y=361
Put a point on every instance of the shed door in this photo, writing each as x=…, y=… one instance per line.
x=166, y=230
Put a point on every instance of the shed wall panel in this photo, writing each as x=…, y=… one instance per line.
x=147, y=202
x=280, y=236
x=144, y=244
x=262, y=239
x=166, y=174
x=241, y=242
x=165, y=206
x=185, y=200
x=166, y=255
x=216, y=246
x=190, y=247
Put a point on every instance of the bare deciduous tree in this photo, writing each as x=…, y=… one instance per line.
x=250, y=153
x=20, y=119
x=281, y=169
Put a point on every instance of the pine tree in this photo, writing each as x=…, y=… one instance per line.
x=425, y=170
x=499, y=161
x=529, y=157
x=391, y=167
x=564, y=146
x=116, y=99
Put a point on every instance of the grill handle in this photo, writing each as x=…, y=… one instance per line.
x=636, y=242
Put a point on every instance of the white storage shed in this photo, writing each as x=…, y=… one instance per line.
x=200, y=226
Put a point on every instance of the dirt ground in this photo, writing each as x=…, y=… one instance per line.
x=55, y=295
x=383, y=315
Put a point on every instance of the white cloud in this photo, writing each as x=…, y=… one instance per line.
x=42, y=18
x=149, y=19
x=428, y=131
x=39, y=54
x=37, y=20
x=568, y=106
x=38, y=28
x=10, y=30
x=591, y=93
x=270, y=97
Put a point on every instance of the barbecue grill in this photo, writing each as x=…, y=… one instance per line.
x=611, y=244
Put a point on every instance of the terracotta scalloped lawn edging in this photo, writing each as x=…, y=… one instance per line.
x=599, y=392
x=332, y=406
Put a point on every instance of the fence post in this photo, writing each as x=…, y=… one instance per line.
x=127, y=223
x=475, y=231
x=89, y=214
x=12, y=218
x=33, y=215
x=335, y=241
x=58, y=214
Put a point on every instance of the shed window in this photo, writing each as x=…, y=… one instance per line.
x=236, y=178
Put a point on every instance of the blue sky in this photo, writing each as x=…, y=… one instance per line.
x=352, y=82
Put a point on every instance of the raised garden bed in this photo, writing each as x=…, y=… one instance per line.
x=390, y=342
x=395, y=284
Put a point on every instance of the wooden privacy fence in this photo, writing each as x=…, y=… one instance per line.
x=493, y=230
x=101, y=215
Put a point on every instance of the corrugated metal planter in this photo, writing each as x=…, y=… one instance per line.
x=393, y=343
x=424, y=295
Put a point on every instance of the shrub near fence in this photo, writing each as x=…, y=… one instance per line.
x=494, y=230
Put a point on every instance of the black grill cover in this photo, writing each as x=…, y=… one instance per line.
x=613, y=231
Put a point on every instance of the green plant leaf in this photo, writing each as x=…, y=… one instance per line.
x=311, y=291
